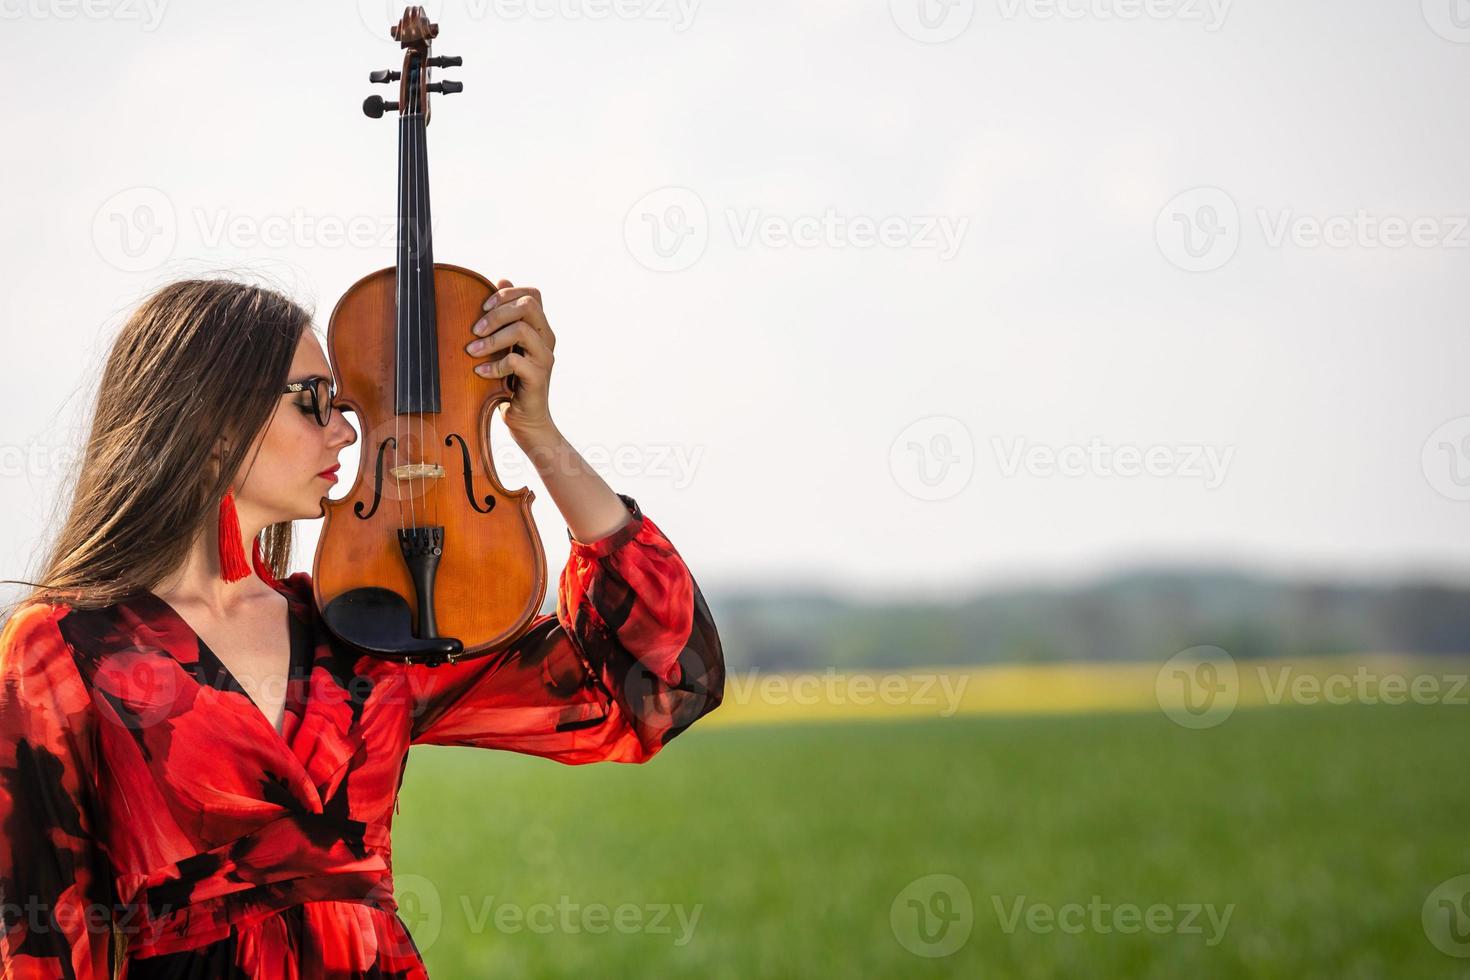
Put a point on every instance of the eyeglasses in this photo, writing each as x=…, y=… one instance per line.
x=323, y=394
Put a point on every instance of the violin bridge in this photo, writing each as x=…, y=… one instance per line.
x=418, y=471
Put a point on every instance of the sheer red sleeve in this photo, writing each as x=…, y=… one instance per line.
x=57, y=885
x=630, y=659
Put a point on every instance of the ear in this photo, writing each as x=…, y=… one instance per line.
x=224, y=455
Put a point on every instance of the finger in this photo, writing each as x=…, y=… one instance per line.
x=521, y=307
x=506, y=284
x=508, y=336
x=512, y=363
x=533, y=313
x=507, y=293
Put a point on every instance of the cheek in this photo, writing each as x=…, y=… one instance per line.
x=289, y=450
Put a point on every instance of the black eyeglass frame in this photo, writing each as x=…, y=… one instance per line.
x=323, y=415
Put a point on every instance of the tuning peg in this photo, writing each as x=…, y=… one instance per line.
x=446, y=61
x=383, y=76
x=446, y=88
x=374, y=106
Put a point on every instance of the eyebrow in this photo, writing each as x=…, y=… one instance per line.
x=308, y=377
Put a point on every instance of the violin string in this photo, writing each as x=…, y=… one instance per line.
x=421, y=185
x=414, y=311
x=411, y=245
x=420, y=243
x=411, y=273
x=401, y=296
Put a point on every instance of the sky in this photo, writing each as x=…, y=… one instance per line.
x=883, y=297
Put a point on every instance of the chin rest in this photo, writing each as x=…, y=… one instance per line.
x=379, y=622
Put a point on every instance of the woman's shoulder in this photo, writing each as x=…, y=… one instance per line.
x=33, y=618
x=296, y=587
x=32, y=643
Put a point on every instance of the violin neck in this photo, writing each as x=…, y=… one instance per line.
x=417, y=375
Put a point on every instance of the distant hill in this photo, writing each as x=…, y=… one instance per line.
x=1140, y=615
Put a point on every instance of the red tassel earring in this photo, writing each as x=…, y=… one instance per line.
x=232, y=563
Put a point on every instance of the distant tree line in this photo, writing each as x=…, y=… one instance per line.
x=1147, y=615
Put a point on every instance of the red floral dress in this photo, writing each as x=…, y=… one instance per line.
x=154, y=823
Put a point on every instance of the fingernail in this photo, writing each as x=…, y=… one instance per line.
x=480, y=327
x=492, y=301
x=474, y=347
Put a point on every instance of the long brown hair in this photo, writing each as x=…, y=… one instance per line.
x=199, y=363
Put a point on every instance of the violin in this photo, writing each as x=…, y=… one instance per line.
x=428, y=558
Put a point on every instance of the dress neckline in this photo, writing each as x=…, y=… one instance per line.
x=298, y=664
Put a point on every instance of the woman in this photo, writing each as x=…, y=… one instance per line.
x=196, y=780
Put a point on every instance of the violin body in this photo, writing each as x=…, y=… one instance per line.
x=428, y=558
x=491, y=574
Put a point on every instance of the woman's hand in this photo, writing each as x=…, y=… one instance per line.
x=514, y=317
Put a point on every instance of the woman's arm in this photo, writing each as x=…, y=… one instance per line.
x=589, y=506
x=631, y=657
x=514, y=318
x=630, y=660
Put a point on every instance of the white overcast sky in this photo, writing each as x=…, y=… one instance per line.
x=1102, y=228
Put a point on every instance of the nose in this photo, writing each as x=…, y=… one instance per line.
x=341, y=431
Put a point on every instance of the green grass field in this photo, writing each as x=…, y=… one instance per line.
x=1325, y=827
